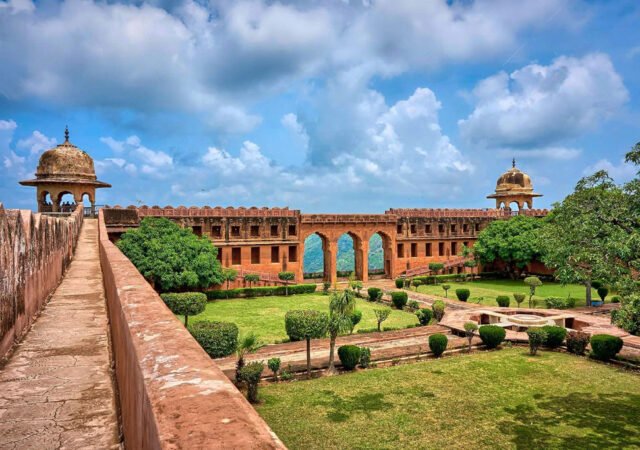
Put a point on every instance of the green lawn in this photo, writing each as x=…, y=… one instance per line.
x=500, y=399
x=487, y=290
x=265, y=315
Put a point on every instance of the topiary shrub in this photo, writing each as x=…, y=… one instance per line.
x=445, y=288
x=218, y=339
x=558, y=302
x=303, y=323
x=577, y=342
x=503, y=301
x=519, y=298
x=355, y=318
x=537, y=337
x=463, y=294
x=554, y=336
x=399, y=283
x=603, y=291
x=399, y=299
x=604, y=346
x=251, y=374
x=615, y=299
x=424, y=316
x=438, y=344
x=413, y=305
x=349, y=356
x=274, y=366
x=365, y=357
x=492, y=335
x=438, y=309
x=286, y=276
x=416, y=283
x=381, y=315
x=375, y=294
x=185, y=303
x=469, y=329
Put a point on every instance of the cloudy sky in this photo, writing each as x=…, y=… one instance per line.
x=325, y=106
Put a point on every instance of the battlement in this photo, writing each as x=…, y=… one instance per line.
x=347, y=218
x=208, y=211
x=462, y=213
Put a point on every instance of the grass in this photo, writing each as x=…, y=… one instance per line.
x=499, y=399
x=486, y=291
x=265, y=315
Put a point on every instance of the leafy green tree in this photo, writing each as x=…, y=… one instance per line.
x=382, y=314
x=436, y=267
x=171, y=258
x=446, y=288
x=533, y=283
x=251, y=278
x=307, y=325
x=341, y=307
x=228, y=275
x=628, y=316
x=469, y=329
x=274, y=366
x=514, y=242
x=286, y=277
x=185, y=303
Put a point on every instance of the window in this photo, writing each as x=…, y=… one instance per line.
x=292, y=230
x=235, y=231
x=255, y=255
x=219, y=256
x=413, y=228
x=274, y=230
x=466, y=244
x=293, y=253
x=454, y=248
x=440, y=228
x=400, y=250
x=235, y=255
x=440, y=248
x=465, y=227
x=427, y=249
x=427, y=229
x=399, y=230
x=454, y=227
x=275, y=254
x=216, y=231
x=414, y=250
x=255, y=230
x=197, y=230
x=477, y=227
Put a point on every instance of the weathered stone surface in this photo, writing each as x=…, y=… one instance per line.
x=35, y=251
x=56, y=390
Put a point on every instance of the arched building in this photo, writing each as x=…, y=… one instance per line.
x=64, y=169
x=514, y=186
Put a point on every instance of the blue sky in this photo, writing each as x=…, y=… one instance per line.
x=324, y=106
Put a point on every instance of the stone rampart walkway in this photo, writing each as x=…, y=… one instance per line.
x=56, y=390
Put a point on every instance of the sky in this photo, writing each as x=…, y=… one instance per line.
x=323, y=106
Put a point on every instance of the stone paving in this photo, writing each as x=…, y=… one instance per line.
x=56, y=390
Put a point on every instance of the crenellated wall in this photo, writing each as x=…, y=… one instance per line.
x=172, y=395
x=35, y=250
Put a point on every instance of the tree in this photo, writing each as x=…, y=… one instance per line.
x=356, y=317
x=251, y=278
x=436, y=267
x=228, y=275
x=446, y=288
x=306, y=324
x=247, y=344
x=382, y=314
x=185, y=303
x=251, y=374
x=274, y=366
x=519, y=298
x=469, y=329
x=171, y=258
x=514, y=242
x=628, y=316
x=533, y=283
x=286, y=277
x=341, y=306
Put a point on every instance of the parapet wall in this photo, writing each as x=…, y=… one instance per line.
x=172, y=395
x=35, y=250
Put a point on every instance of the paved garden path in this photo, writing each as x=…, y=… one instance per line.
x=56, y=390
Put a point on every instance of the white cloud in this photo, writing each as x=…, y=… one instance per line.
x=538, y=106
x=151, y=162
x=20, y=159
x=291, y=123
x=620, y=172
x=37, y=143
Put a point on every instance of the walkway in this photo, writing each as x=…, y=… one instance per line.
x=56, y=390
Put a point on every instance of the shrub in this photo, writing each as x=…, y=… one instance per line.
x=416, y=283
x=262, y=291
x=519, y=298
x=603, y=291
x=570, y=302
x=463, y=294
x=375, y=294
x=533, y=283
x=604, y=346
x=218, y=339
x=355, y=318
x=445, y=288
x=628, y=316
x=274, y=366
x=399, y=283
x=424, y=316
x=438, y=344
x=349, y=356
x=185, y=303
x=413, y=305
x=399, y=299
x=251, y=374
x=577, y=342
x=596, y=284
x=251, y=278
x=492, y=335
x=503, y=301
x=286, y=276
x=615, y=299
x=305, y=323
x=325, y=287
x=381, y=315
x=554, y=335
x=537, y=337
x=469, y=329
x=556, y=303
x=438, y=309
x=436, y=267
x=365, y=357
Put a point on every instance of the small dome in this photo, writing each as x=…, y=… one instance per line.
x=66, y=161
x=514, y=179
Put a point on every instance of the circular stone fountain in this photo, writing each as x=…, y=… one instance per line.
x=528, y=320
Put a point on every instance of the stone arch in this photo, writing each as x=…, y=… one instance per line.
x=387, y=253
x=359, y=256
x=325, y=250
x=66, y=201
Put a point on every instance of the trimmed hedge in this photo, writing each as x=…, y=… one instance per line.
x=185, y=303
x=438, y=344
x=399, y=299
x=560, y=303
x=577, y=342
x=399, y=283
x=554, y=336
x=603, y=291
x=349, y=356
x=492, y=335
x=218, y=339
x=375, y=294
x=537, y=336
x=438, y=309
x=260, y=291
x=463, y=294
x=424, y=316
x=615, y=299
x=503, y=301
x=604, y=346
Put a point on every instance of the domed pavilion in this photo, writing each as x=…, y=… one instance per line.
x=514, y=186
x=64, y=169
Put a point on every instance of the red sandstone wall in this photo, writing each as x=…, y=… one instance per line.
x=35, y=250
x=172, y=395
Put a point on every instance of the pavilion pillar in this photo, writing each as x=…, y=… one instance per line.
x=300, y=269
x=362, y=260
x=330, y=262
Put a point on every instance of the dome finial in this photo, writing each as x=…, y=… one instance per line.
x=66, y=133
x=513, y=163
